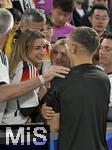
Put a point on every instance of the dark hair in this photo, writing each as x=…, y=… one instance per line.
x=107, y=36
x=16, y=14
x=99, y=6
x=87, y=37
x=64, y=5
x=49, y=22
x=33, y=14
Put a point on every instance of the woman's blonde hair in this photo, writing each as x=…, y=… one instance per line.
x=23, y=44
x=58, y=43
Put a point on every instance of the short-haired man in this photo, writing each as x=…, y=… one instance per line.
x=105, y=59
x=9, y=91
x=61, y=12
x=81, y=100
x=32, y=18
x=99, y=18
x=85, y=20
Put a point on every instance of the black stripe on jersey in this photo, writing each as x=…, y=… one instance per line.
x=1, y=83
x=3, y=58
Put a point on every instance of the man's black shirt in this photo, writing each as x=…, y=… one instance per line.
x=82, y=100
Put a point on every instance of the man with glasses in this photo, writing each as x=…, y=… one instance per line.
x=99, y=18
x=105, y=59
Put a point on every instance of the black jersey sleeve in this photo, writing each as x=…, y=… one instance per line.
x=52, y=98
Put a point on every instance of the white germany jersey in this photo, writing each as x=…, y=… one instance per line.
x=4, y=78
x=4, y=68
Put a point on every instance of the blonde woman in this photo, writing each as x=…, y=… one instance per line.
x=59, y=53
x=26, y=57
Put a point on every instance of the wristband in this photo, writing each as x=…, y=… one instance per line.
x=42, y=81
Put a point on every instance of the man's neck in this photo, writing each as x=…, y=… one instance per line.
x=100, y=33
x=55, y=25
x=108, y=69
x=81, y=60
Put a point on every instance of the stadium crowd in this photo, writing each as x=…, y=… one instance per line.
x=56, y=68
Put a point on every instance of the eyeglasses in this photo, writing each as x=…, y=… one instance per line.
x=103, y=18
x=106, y=48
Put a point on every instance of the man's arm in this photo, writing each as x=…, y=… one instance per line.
x=54, y=122
x=52, y=118
x=47, y=112
x=50, y=109
x=10, y=91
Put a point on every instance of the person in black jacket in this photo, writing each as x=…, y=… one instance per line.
x=78, y=12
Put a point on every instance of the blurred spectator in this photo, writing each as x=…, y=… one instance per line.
x=34, y=19
x=86, y=5
x=78, y=12
x=5, y=4
x=105, y=59
x=44, y=6
x=59, y=53
x=85, y=20
x=110, y=3
x=48, y=29
x=110, y=8
x=99, y=18
x=17, y=17
x=22, y=5
x=61, y=12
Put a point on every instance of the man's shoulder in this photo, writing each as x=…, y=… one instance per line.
x=68, y=25
x=57, y=82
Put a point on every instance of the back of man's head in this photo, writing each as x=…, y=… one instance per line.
x=87, y=38
x=6, y=21
x=64, y=5
x=32, y=15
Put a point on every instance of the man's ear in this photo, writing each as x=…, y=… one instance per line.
x=74, y=48
x=108, y=19
x=9, y=32
x=90, y=19
x=21, y=26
